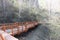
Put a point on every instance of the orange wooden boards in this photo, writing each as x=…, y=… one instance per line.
x=17, y=28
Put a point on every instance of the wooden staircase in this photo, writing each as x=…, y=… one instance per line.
x=16, y=28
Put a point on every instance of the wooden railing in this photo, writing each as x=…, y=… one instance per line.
x=1, y=37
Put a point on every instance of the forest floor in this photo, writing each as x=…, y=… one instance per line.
x=40, y=32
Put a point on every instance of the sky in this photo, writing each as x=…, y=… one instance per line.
x=53, y=5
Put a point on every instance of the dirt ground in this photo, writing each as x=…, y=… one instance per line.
x=40, y=32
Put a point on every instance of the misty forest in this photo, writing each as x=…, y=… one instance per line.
x=47, y=13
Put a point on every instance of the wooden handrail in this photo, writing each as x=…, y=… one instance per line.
x=2, y=38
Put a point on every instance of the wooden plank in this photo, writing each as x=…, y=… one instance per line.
x=7, y=36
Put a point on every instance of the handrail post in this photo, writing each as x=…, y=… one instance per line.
x=12, y=30
x=1, y=36
x=4, y=27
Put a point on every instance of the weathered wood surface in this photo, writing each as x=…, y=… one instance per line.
x=6, y=30
x=6, y=36
x=17, y=28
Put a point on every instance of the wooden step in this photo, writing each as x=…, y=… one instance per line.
x=6, y=36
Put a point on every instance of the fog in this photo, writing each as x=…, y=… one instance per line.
x=46, y=12
x=53, y=5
